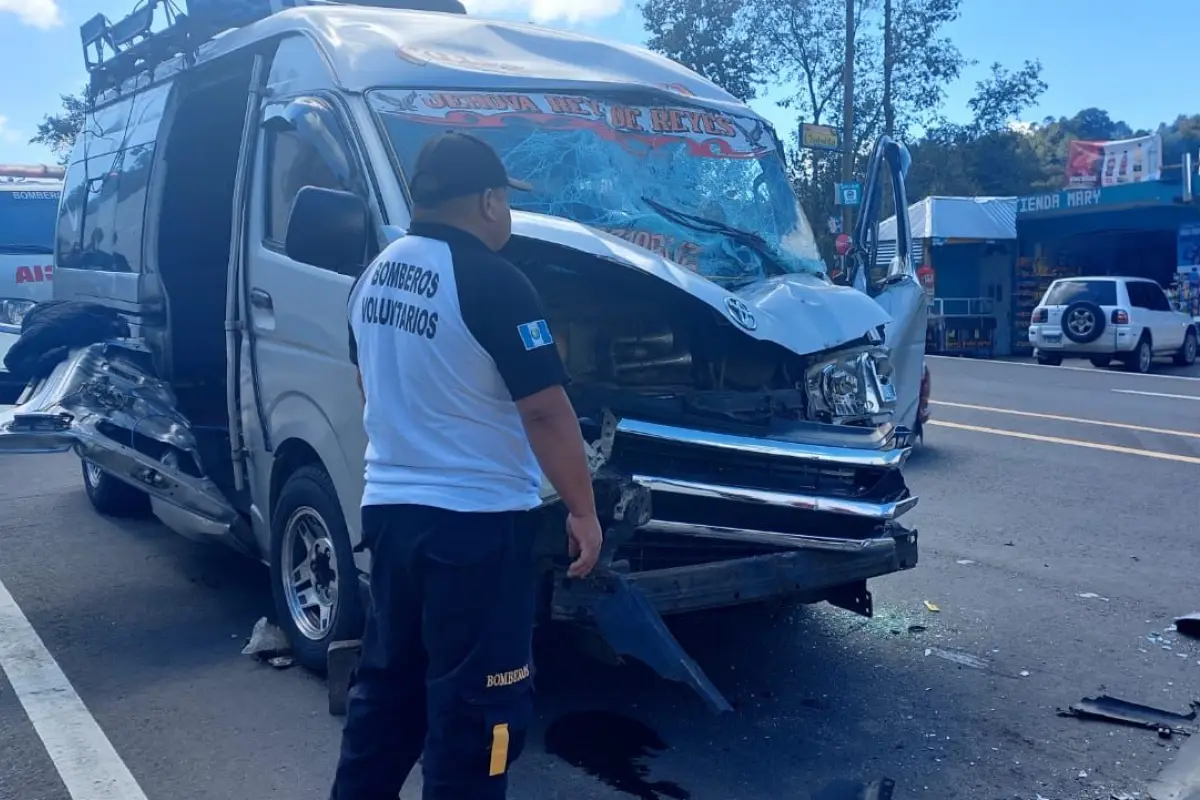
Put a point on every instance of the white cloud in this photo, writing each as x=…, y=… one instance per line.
x=540, y=11
x=7, y=134
x=1016, y=126
x=38, y=13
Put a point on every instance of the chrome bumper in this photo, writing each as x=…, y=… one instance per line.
x=771, y=457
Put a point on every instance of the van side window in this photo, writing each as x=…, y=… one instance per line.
x=292, y=164
x=104, y=210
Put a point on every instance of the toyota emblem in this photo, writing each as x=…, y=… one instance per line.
x=740, y=313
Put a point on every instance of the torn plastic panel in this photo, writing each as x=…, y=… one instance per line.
x=104, y=402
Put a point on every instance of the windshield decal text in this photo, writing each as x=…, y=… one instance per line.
x=682, y=252
x=707, y=133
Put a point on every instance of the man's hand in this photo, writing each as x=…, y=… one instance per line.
x=584, y=539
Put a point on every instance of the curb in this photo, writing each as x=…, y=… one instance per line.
x=1179, y=780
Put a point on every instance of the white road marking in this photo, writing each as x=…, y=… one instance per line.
x=1092, y=370
x=1158, y=394
x=85, y=759
x=1034, y=437
x=1078, y=420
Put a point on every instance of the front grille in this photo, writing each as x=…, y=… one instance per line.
x=699, y=463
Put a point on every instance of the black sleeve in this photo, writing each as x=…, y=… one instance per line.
x=353, y=345
x=503, y=312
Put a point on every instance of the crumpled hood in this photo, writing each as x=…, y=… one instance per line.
x=804, y=313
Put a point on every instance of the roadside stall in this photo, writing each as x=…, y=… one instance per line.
x=1122, y=215
x=965, y=249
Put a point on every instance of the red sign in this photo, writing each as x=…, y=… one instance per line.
x=35, y=274
x=842, y=244
x=1097, y=164
x=927, y=277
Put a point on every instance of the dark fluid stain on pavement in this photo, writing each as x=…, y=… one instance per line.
x=614, y=749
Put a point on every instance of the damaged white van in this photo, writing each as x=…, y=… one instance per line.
x=748, y=417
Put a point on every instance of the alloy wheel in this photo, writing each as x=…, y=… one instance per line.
x=309, y=574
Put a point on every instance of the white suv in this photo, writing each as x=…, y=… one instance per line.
x=1100, y=319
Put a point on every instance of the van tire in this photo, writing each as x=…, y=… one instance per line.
x=308, y=511
x=112, y=497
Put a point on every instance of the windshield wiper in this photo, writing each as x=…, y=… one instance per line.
x=752, y=240
x=26, y=250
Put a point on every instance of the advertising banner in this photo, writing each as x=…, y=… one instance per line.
x=1095, y=164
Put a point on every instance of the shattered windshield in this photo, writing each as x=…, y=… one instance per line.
x=681, y=181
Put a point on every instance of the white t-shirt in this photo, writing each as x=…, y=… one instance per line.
x=447, y=336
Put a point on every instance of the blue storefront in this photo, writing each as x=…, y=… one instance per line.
x=1139, y=230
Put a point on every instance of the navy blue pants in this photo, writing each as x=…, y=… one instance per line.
x=446, y=665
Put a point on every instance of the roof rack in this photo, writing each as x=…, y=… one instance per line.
x=114, y=52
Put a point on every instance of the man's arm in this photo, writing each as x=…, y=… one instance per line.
x=504, y=314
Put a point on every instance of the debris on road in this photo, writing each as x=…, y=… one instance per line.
x=1189, y=624
x=267, y=642
x=917, y=628
x=1112, y=709
x=1092, y=596
x=282, y=662
x=1181, y=778
x=962, y=659
x=1024, y=673
x=932, y=606
x=964, y=562
x=843, y=789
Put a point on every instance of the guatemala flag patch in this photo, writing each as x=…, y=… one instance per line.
x=535, y=334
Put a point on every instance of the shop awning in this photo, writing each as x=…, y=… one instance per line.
x=987, y=218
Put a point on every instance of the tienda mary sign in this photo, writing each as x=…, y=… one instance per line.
x=1096, y=164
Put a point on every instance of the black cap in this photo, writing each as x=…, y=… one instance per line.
x=453, y=165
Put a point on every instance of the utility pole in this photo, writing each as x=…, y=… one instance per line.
x=889, y=57
x=848, y=115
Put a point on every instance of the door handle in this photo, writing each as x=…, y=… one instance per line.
x=259, y=298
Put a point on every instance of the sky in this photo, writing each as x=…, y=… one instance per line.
x=1118, y=57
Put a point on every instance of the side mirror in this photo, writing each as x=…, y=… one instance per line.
x=327, y=229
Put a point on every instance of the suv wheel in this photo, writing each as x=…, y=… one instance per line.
x=1101, y=362
x=112, y=497
x=1141, y=358
x=1187, y=354
x=313, y=578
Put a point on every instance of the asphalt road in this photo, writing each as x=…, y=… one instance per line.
x=1056, y=549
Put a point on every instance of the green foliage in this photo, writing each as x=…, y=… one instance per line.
x=58, y=131
x=713, y=37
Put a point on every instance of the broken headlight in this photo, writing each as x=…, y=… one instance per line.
x=851, y=387
x=12, y=312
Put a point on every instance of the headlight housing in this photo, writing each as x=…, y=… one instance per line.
x=12, y=312
x=854, y=386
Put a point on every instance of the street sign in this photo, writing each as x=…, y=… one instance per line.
x=847, y=194
x=820, y=137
